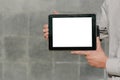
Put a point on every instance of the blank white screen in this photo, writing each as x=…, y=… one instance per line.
x=72, y=32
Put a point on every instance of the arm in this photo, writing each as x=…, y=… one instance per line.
x=112, y=64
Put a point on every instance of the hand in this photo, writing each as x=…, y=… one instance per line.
x=45, y=31
x=95, y=58
x=45, y=28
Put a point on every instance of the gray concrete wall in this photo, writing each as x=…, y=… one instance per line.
x=24, y=53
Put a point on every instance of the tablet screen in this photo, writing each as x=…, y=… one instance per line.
x=72, y=32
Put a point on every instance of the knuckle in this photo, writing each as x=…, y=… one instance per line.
x=43, y=30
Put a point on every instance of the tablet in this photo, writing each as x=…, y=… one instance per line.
x=72, y=32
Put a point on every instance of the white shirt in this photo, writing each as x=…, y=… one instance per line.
x=110, y=18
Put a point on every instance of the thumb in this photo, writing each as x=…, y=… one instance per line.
x=55, y=12
x=98, y=44
x=99, y=48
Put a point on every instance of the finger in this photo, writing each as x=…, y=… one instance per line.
x=55, y=12
x=79, y=52
x=45, y=26
x=45, y=30
x=46, y=37
x=88, y=57
x=90, y=63
x=98, y=43
x=46, y=34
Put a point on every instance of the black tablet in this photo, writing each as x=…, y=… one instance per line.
x=72, y=32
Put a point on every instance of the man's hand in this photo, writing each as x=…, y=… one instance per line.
x=45, y=28
x=95, y=58
x=45, y=31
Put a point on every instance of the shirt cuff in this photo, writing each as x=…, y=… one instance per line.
x=113, y=66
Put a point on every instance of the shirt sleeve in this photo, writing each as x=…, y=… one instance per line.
x=113, y=67
x=102, y=18
x=112, y=64
x=103, y=21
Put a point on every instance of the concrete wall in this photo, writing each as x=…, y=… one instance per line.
x=24, y=53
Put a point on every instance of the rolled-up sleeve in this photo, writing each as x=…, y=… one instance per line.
x=113, y=63
x=113, y=66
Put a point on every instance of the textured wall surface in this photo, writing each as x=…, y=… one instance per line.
x=24, y=53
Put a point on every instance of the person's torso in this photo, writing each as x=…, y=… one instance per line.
x=114, y=27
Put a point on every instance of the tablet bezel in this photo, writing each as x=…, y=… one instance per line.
x=50, y=17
